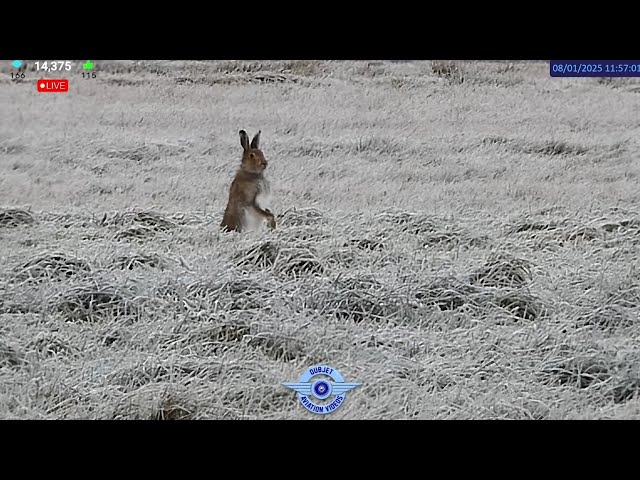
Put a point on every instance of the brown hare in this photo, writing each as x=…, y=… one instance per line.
x=248, y=190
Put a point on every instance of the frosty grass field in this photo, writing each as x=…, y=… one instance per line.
x=460, y=237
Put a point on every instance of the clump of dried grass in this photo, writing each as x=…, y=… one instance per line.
x=49, y=344
x=292, y=260
x=149, y=219
x=503, y=270
x=297, y=261
x=130, y=262
x=48, y=266
x=399, y=221
x=607, y=316
x=89, y=303
x=447, y=293
x=139, y=225
x=278, y=347
x=367, y=244
x=301, y=216
x=135, y=232
x=520, y=303
x=356, y=298
x=261, y=255
x=10, y=356
x=625, y=387
x=15, y=217
x=232, y=295
x=581, y=371
x=451, y=71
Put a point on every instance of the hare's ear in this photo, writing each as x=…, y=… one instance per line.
x=256, y=140
x=244, y=139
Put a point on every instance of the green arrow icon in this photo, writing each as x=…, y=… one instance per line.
x=88, y=65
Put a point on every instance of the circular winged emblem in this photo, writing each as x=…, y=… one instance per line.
x=314, y=386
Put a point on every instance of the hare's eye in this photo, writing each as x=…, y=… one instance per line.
x=252, y=155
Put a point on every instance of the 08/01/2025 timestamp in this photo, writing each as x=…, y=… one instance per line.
x=594, y=68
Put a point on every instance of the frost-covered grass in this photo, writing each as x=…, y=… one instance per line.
x=462, y=238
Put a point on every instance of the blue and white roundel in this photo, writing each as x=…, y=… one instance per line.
x=321, y=389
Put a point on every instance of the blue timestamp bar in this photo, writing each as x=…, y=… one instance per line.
x=594, y=68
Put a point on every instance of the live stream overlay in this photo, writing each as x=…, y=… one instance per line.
x=52, y=76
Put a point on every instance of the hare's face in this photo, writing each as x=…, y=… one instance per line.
x=252, y=157
x=253, y=161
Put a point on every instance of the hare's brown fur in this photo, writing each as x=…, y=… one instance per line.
x=247, y=185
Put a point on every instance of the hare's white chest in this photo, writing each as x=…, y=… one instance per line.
x=251, y=220
x=263, y=198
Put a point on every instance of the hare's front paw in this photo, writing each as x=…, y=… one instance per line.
x=271, y=220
